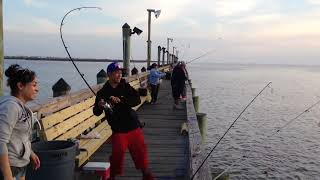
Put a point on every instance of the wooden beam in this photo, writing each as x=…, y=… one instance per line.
x=1, y=49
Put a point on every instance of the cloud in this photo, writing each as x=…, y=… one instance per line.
x=34, y=25
x=134, y=12
x=36, y=3
x=314, y=2
x=232, y=7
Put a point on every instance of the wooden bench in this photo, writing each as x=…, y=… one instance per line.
x=67, y=117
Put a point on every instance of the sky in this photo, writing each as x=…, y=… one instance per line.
x=236, y=31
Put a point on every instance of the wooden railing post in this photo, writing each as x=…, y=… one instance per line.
x=60, y=88
x=101, y=76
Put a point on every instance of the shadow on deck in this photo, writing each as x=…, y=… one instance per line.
x=167, y=148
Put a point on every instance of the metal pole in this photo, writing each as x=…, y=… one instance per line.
x=163, y=52
x=126, y=34
x=168, y=50
x=1, y=49
x=173, y=56
x=168, y=55
x=159, y=54
x=149, y=41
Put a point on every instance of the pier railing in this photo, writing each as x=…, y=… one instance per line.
x=197, y=151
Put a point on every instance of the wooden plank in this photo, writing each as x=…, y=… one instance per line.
x=143, y=99
x=80, y=128
x=136, y=87
x=93, y=145
x=135, y=82
x=100, y=127
x=61, y=102
x=64, y=126
x=60, y=116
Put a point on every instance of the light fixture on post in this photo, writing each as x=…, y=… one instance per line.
x=157, y=14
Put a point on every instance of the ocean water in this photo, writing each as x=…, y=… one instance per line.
x=225, y=90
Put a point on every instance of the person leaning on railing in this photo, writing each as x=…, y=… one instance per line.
x=178, y=79
x=16, y=124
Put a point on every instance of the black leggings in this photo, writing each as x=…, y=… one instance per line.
x=177, y=90
x=154, y=92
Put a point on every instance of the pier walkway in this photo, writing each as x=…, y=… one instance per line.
x=168, y=150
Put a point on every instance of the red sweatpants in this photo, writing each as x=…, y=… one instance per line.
x=134, y=141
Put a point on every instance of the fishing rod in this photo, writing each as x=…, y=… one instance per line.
x=66, y=48
x=229, y=129
x=268, y=137
x=107, y=106
x=209, y=52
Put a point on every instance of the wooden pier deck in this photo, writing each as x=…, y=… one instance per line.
x=167, y=148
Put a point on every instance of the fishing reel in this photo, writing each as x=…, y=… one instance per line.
x=108, y=108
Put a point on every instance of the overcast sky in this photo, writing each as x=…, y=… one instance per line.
x=239, y=31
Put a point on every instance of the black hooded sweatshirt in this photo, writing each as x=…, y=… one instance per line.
x=123, y=118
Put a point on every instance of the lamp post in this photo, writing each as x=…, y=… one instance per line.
x=157, y=14
x=168, y=55
x=126, y=35
x=163, y=52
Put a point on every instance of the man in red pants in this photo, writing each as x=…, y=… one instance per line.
x=126, y=131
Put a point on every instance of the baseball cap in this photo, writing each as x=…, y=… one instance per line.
x=113, y=67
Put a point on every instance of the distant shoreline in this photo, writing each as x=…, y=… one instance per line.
x=39, y=58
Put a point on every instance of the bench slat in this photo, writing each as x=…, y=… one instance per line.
x=64, y=126
x=143, y=99
x=80, y=128
x=60, y=116
x=135, y=82
x=100, y=127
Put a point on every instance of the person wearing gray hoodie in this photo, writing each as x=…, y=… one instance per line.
x=16, y=124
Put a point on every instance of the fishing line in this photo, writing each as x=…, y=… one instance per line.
x=228, y=130
x=209, y=52
x=268, y=137
x=66, y=48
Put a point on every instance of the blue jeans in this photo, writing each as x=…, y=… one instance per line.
x=17, y=172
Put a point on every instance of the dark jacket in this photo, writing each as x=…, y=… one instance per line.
x=123, y=118
x=178, y=77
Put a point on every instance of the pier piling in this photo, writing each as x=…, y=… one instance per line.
x=101, y=76
x=60, y=88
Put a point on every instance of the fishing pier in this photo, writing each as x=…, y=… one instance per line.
x=173, y=137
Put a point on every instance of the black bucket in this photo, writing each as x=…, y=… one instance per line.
x=57, y=159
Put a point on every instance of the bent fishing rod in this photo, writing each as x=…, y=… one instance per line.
x=66, y=48
x=268, y=137
x=228, y=130
x=107, y=106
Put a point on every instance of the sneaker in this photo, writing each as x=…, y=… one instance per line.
x=142, y=124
